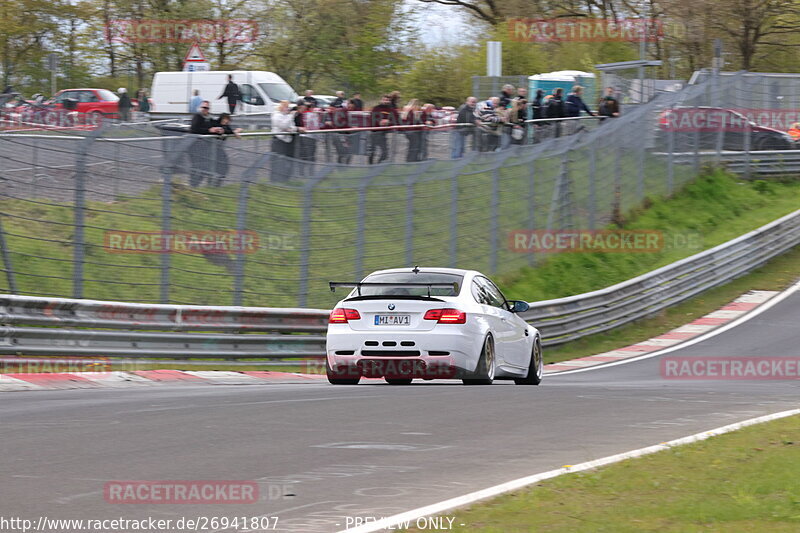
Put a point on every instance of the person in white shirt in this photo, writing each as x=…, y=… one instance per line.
x=283, y=143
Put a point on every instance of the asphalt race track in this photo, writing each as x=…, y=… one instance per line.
x=321, y=453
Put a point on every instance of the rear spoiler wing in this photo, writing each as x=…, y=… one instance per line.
x=358, y=284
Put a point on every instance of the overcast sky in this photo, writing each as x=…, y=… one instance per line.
x=441, y=24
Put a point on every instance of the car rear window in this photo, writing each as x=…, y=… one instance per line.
x=411, y=277
x=107, y=96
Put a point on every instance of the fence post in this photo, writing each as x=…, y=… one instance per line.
x=592, y=187
x=411, y=180
x=454, y=216
x=457, y=167
x=12, y=284
x=35, y=166
x=747, y=139
x=241, y=225
x=494, y=224
x=305, y=234
x=670, y=161
x=166, y=228
x=640, y=172
x=79, y=248
x=361, y=220
x=616, y=207
x=532, y=205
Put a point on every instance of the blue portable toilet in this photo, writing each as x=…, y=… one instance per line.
x=564, y=79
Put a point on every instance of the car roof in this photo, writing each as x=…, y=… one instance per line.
x=435, y=270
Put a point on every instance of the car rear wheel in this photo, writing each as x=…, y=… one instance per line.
x=484, y=372
x=398, y=381
x=535, y=368
x=340, y=378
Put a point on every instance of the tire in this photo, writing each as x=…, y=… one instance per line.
x=96, y=118
x=398, y=381
x=484, y=372
x=535, y=368
x=335, y=378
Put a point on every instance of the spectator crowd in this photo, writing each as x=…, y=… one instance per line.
x=492, y=124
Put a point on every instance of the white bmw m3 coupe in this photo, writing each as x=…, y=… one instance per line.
x=430, y=323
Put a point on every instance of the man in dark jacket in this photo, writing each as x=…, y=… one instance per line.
x=537, y=104
x=608, y=106
x=358, y=103
x=203, y=122
x=506, y=96
x=555, y=109
x=310, y=101
x=575, y=104
x=124, y=105
x=232, y=93
x=382, y=115
x=202, y=158
x=339, y=101
x=466, y=115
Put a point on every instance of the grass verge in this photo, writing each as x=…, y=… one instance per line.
x=741, y=481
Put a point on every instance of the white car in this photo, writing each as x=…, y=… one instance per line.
x=430, y=323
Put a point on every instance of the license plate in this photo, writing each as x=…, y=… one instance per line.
x=392, y=320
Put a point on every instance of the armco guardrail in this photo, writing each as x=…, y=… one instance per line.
x=88, y=327
x=565, y=319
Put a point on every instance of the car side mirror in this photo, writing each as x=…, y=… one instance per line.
x=518, y=306
x=257, y=100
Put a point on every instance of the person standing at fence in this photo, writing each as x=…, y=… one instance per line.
x=489, y=124
x=555, y=109
x=339, y=101
x=194, y=103
x=337, y=120
x=284, y=127
x=144, y=104
x=305, y=119
x=220, y=163
x=309, y=99
x=358, y=103
x=124, y=105
x=201, y=157
x=382, y=115
x=506, y=95
x=515, y=123
x=608, y=106
x=232, y=94
x=537, y=106
x=412, y=116
x=428, y=121
x=464, y=118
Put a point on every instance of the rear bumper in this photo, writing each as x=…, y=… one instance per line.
x=436, y=354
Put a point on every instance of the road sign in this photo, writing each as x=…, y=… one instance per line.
x=194, y=54
x=196, y=66
x=52, y=61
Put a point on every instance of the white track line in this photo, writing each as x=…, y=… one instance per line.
x=713, y=333
x=460, y=501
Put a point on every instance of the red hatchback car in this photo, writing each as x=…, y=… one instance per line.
x=96, y=102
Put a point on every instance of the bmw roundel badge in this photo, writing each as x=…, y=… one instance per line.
x=391, y=307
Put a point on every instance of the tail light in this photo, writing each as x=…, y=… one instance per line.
x=446, y=316
x=342, y=315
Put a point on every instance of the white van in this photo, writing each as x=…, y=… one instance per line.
x=261, y=90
